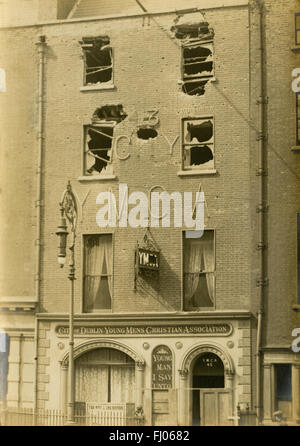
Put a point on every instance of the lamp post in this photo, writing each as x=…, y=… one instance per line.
x=68, y=210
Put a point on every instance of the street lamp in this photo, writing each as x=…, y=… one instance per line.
x=68, y=210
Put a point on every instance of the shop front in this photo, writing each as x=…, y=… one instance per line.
x=162, y=371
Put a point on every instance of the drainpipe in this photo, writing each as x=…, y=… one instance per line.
x=41, y=55
x=261, y=209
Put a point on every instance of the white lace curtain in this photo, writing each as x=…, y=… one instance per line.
x=98, y=249
x=198, y=257
x=102, y=383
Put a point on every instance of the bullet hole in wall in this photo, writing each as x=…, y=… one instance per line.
x=110, y=113
x=146, y=133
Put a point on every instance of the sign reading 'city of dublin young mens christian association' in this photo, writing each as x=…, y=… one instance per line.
x=150, y=330
x=162, y=367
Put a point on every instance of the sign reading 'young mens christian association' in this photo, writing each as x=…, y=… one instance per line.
x=208, y=329
x=162, y=367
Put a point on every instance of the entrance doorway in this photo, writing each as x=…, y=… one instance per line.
x=210, y=399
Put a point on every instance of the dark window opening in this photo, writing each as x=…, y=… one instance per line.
x=98, y=59
x=197, y=61
x=198, y=143
x=193, y=31
x=283, y=382
x=194, y=88
x=99, y=145
x=110, y=113
x=146, y=133
x=197, y=55
x=99, y=137
x=202, y=132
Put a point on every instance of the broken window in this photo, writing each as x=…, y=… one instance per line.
x=197, y=56
x=198, y=143
x=99, y=138
x=199, y=271
x=98, y=60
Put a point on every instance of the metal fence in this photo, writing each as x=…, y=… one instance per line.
x=27, y=417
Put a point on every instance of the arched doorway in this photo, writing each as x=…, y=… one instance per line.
x=207, y=373
x=104, y=375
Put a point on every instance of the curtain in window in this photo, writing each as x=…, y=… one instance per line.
x=107, y=244
x=97, y=250
x=209, y=262
x=91, y=383
x=122, y=384
x=192, y=268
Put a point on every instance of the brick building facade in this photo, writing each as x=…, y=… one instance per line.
x=176, y=98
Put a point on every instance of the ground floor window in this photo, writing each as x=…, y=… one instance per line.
x=283, y=389
x=104, y=375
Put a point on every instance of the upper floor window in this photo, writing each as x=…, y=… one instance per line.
x=199, y=271
x=198, y=143
x=98, y=140
x=98, y=61
x=197, y=54
x=98, y=273
x=197, y=65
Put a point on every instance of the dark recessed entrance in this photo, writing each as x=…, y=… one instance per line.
x=208, y=373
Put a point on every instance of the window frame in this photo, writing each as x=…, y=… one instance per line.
x=82, y=306
x=183, y=306
x=99, y=85
x=99, y=175
x=197, y=169
x=196, y=78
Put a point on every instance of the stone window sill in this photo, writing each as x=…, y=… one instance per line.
x=97, y=87
x=183, y=173
x=296, y=149
x=296, y=307
x=97, y=178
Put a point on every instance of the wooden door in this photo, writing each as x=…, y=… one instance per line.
x=215, y=407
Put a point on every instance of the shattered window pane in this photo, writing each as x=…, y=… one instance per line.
x=99, y=139
x=197, y=61
x=198, y=143
x=98, y=148
x=197, y=55
x=98, y=60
